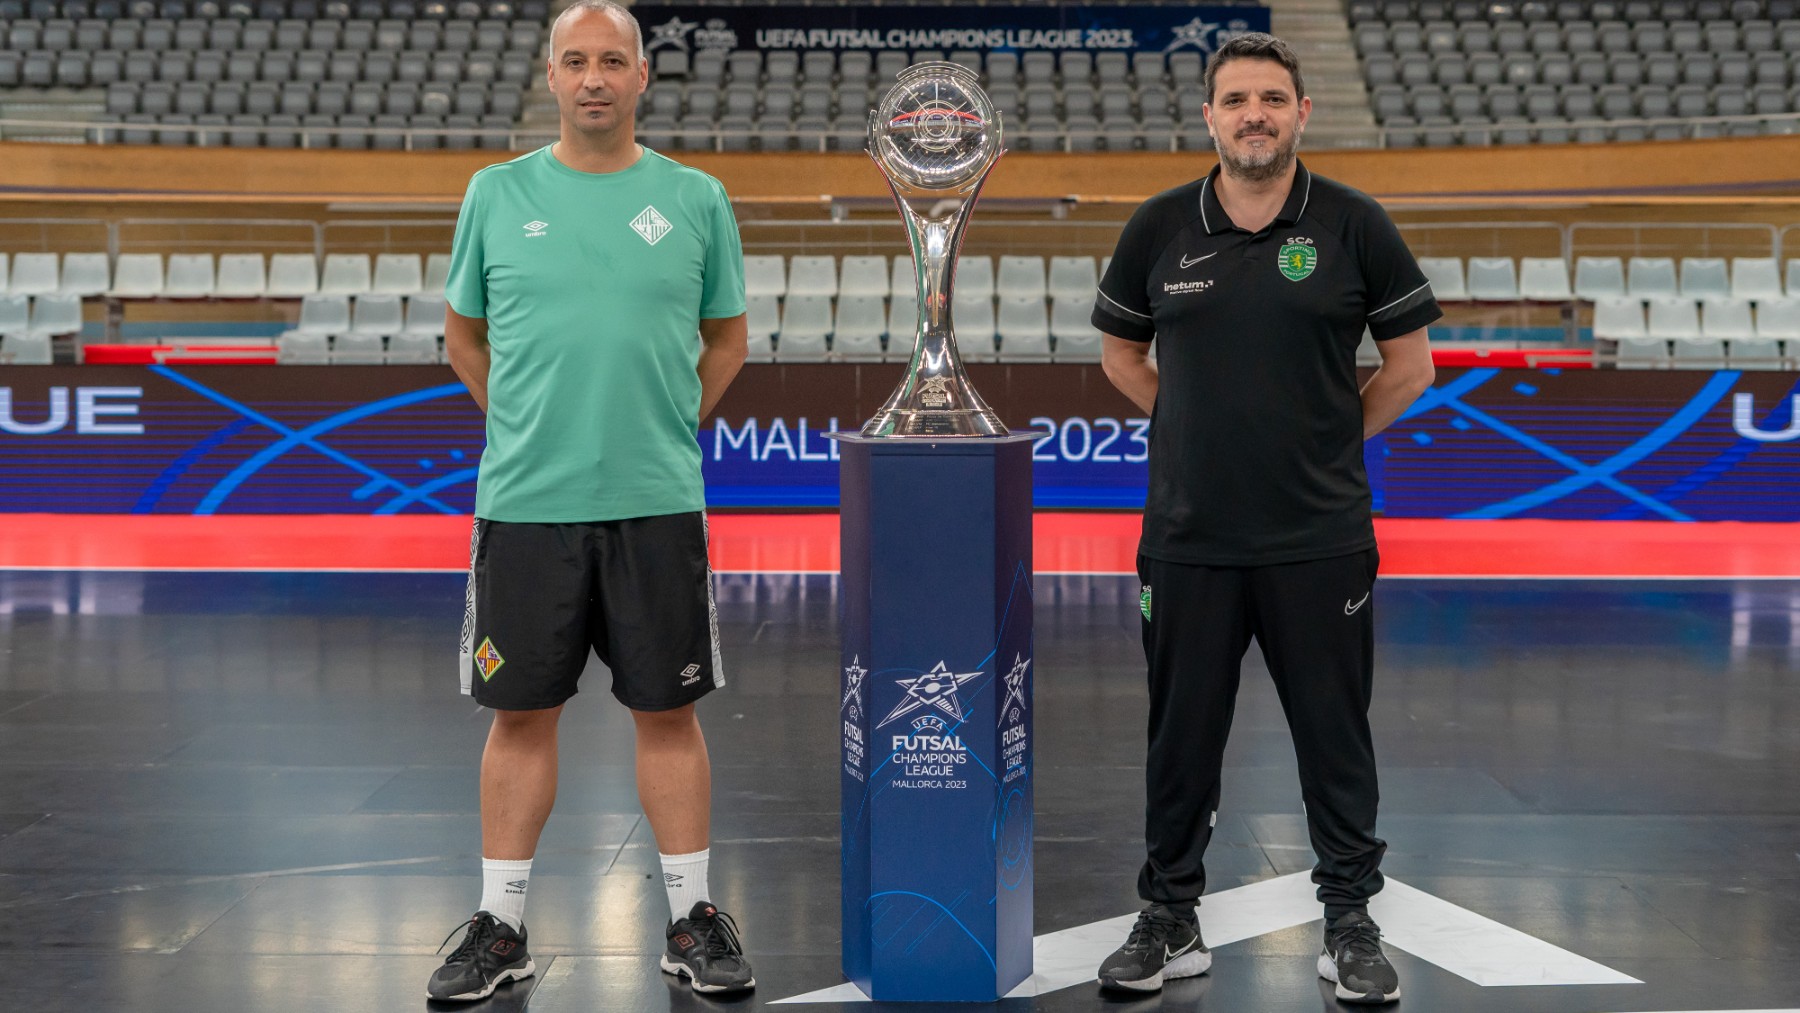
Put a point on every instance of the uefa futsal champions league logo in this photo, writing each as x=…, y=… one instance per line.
x=853, y=686
x=935, y=689
x=1015, y=691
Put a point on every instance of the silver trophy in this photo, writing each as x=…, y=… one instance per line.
x=935, y=131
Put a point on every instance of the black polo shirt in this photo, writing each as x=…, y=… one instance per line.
x=1256, y=438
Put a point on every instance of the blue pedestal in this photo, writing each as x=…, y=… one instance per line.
x=936, y=715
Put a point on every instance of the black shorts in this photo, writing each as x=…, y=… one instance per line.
x=638, y=592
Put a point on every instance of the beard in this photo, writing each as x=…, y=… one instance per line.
x=1260, y=167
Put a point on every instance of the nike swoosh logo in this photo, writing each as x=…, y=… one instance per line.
x=1168, y=956
x=1350, y=609
x=1186, y=263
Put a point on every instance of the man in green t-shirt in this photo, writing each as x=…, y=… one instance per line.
x=580, y=274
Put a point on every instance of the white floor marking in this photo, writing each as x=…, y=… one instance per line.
x=1456, y=939
x=1477, y=948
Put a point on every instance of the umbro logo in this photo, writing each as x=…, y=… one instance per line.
x=516, y=885
x=535, y=228
x=690, y=675
x=651, y=225
x=1186, y=263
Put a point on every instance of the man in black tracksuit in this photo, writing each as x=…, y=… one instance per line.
x=1256, y=283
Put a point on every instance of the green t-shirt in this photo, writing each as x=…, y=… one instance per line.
x=593, y=286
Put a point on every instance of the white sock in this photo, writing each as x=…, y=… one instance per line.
x=685, y=878
x=503, y=889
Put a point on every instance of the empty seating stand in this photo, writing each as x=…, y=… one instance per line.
x=1651, y=312
x=337, y=73
x=1460, y=72
x=863, y=308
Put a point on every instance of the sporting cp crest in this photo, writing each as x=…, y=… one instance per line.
x=1297, y=261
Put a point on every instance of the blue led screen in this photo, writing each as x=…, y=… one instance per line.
x=1576, y=444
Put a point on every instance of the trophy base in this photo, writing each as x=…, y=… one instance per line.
x=934, y=424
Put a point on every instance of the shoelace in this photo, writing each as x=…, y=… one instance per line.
x=722, y=938
x=1360, y=942
x=1154, y=925
x=470, y=942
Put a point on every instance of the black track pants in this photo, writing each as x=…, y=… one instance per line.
x=1315, y=624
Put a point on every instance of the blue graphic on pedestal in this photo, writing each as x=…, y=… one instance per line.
x=935, y=684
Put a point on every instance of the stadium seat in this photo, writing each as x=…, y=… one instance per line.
x=437, y=272
x=1071, y=276
x=861, y=320
x=397, y=274
x=413, y=347
x=1704, y=276
x=1619, y=318
x=1071, y=324
x=805, y=322
x=812, y=275
x=1492, y=279
x=1544, y=279
x=15, y=314
x=377, y=313
x=974, y=277
x=424, y=315
x=1723, y=318
x=1674, y=318
x=34, y=274
x=138, y=276
x=1597, y=278
x=1755, y=278
x=1020, y=276
x=83, y=274
x=1024, y=326
x=241, y=276
x=18, y=348
x=1651, y=277
x=864, y=276
x=1753, y=353
x=1779, y=320
x=764, y=276
x=190, y=276
x=1446, y=277
x=292, y=275
x=358, y=349
x=345, y=274
x=972, y=314
x=763, y=314
x=903, y=322
x=53, y=315
x=1643, y=353
x=324, y=313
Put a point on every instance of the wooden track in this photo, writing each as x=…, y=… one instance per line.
x=1728, y=170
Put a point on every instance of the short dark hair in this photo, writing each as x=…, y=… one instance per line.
x=1255, y=46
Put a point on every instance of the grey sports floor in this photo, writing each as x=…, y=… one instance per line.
x=257, y=792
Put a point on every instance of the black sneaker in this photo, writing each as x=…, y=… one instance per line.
x=490, y=955
x=1354, y=960
x=1163, y=944
x=704, y=948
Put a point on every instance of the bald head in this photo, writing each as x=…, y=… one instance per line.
x=585, y=8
